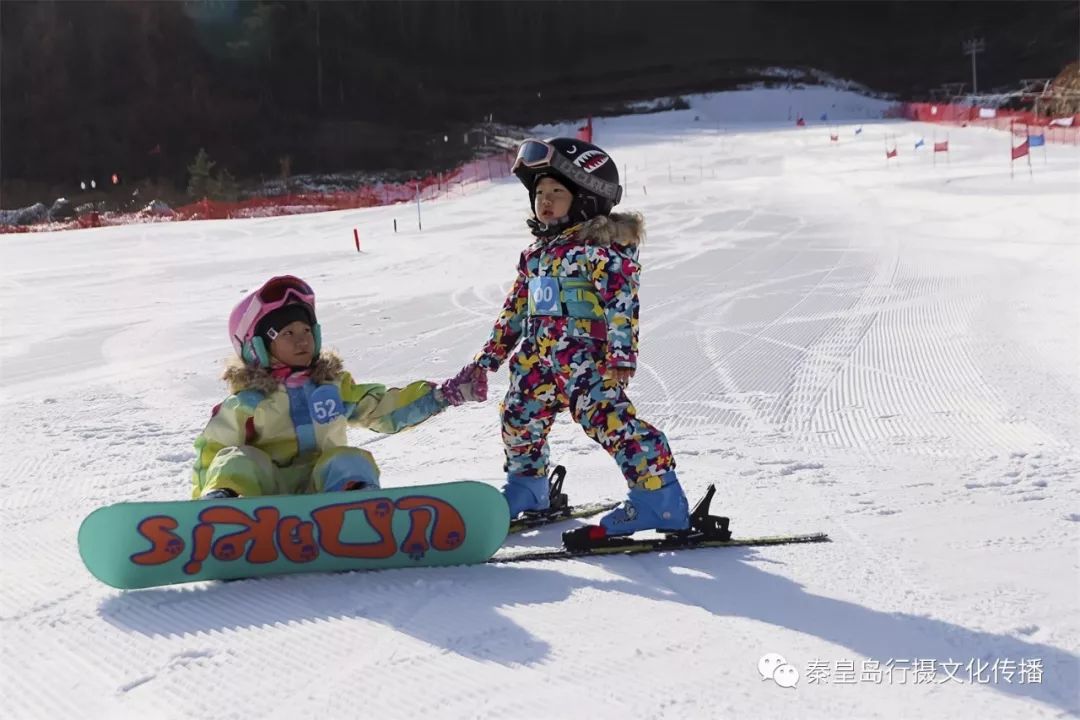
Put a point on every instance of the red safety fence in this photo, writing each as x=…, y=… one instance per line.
x=1022, y=122
x=430, y=187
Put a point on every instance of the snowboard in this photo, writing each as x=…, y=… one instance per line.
x=146, y=544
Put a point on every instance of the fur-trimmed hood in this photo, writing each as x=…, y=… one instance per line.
x=239, y=376
x=625, y=229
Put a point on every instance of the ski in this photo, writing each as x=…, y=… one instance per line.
x=559, y=507
x=706, y=530
x=531, y=521
x=652, y=545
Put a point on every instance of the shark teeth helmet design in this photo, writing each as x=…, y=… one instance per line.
x=591, y=160
x=585, y=169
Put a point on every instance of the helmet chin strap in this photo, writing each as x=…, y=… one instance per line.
x=578, y=212
x=542, y=230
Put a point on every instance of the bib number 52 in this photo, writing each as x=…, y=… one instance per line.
x=326, y=404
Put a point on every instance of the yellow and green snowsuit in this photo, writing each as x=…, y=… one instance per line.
x=274, y=437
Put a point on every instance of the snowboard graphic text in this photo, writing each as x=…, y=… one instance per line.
x=265, y=535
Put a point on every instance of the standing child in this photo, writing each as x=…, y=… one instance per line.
x=282, y=431
x=574, y=307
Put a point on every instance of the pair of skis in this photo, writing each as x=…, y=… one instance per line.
x=706, y=530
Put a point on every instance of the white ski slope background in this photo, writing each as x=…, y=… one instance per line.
x=886, y=354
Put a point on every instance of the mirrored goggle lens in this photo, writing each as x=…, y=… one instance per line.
x=534, y=152
x=276, y=289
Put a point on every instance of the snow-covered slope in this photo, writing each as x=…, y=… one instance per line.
x=885, y=353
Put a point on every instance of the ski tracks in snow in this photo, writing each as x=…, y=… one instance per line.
x=837, y=338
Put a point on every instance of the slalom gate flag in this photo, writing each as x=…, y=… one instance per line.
x=824, y=117
x=941, y=146
x=1063, y=122
x=1020, y=150
x=834, y=138
x=890, y=153
x=919, y=143
x=1036, y=140
x=858, y=130
x=585, y=131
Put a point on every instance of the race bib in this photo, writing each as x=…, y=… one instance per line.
x=544, y=296
x=326, y=405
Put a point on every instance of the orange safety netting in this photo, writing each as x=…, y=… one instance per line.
x=430, y=187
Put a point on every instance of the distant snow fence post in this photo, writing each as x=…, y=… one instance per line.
x=419, y=222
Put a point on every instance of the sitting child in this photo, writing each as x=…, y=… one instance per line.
x=282, y=431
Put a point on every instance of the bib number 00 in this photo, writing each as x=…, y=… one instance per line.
x=544, y=296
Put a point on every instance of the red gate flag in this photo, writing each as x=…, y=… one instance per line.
x=1020, y=150
x=890, y=153
x=941, y=146
x=585, y=131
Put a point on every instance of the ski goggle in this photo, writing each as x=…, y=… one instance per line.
x=534, y=154
x=277, y=290
x=275, y=293
x=537, y=154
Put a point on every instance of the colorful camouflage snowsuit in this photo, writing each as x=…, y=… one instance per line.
x=574, y=306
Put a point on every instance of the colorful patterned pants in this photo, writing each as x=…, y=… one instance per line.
x=547, y=376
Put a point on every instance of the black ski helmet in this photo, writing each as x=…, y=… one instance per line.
x=585, y=169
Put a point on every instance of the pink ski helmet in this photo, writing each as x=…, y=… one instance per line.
x=275, y=293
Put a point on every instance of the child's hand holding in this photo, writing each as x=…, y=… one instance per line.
x=469, y=385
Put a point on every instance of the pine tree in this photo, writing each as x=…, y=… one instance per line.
x=200, y=184
x=224, y=187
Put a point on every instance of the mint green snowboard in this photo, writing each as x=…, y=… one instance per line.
x=145, y=544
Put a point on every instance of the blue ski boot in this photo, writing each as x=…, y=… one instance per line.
x=525, y=492
x=664, y=508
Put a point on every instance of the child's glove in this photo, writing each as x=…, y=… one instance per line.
x=469, y=385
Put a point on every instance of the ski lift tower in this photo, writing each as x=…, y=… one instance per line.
x=973, y=47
